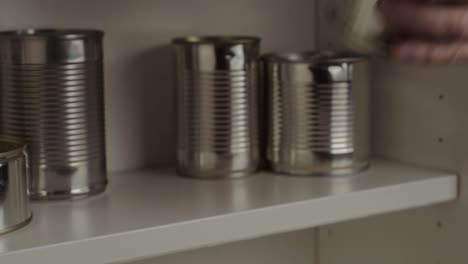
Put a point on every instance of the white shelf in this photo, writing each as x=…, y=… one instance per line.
x=154, y=213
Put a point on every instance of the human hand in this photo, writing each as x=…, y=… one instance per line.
x=433, y=33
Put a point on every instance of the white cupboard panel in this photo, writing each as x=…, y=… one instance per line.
x=292, y=248
x=419, y=115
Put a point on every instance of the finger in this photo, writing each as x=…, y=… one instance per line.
x=421, y=52
x=437, y=21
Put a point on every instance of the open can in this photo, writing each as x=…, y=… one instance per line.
x=52, y=96
x=217, y=106
x=15, y=211
x=318, y=113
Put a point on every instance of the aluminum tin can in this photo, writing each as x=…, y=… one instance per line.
x=15, y=211
x=318, y=113
x=52, y=96
x=217, y=106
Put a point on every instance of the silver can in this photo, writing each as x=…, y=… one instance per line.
x=15, y=211
x=217, y=104
x=318, y=113
x=52, y=96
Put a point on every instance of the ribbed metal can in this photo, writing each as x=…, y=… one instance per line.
x=317, y=113
x=217, y=106
x=52, y=96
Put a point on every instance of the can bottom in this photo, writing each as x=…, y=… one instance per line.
x=69, y=194
x=16, y=227
x=216, y=176
x=348, y=171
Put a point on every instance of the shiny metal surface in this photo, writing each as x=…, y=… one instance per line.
x=15, y=211
x=52, y=96
x=317, y=122
x=217, y=101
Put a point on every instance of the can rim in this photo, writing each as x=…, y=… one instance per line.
x=340, y=57
x=315, y=57
x=305, y=56
x=51, y=33
x=200, y=40
x=11, y=146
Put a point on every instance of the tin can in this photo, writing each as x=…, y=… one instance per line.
x=52, y=96
x=217, y=106
x=15, y=211
x=318, y=113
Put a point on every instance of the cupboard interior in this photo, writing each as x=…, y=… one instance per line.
x=418, y=116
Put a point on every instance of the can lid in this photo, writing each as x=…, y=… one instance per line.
x=67, y=34
x=50, y=46
x=200, y=40
x=326, y=67
x=11, y=147
x=340, y=57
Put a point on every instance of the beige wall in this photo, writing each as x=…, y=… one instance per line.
x=139, y=75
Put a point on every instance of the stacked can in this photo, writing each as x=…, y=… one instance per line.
x=52, y=96
x=217, y=100
x=318, y=113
